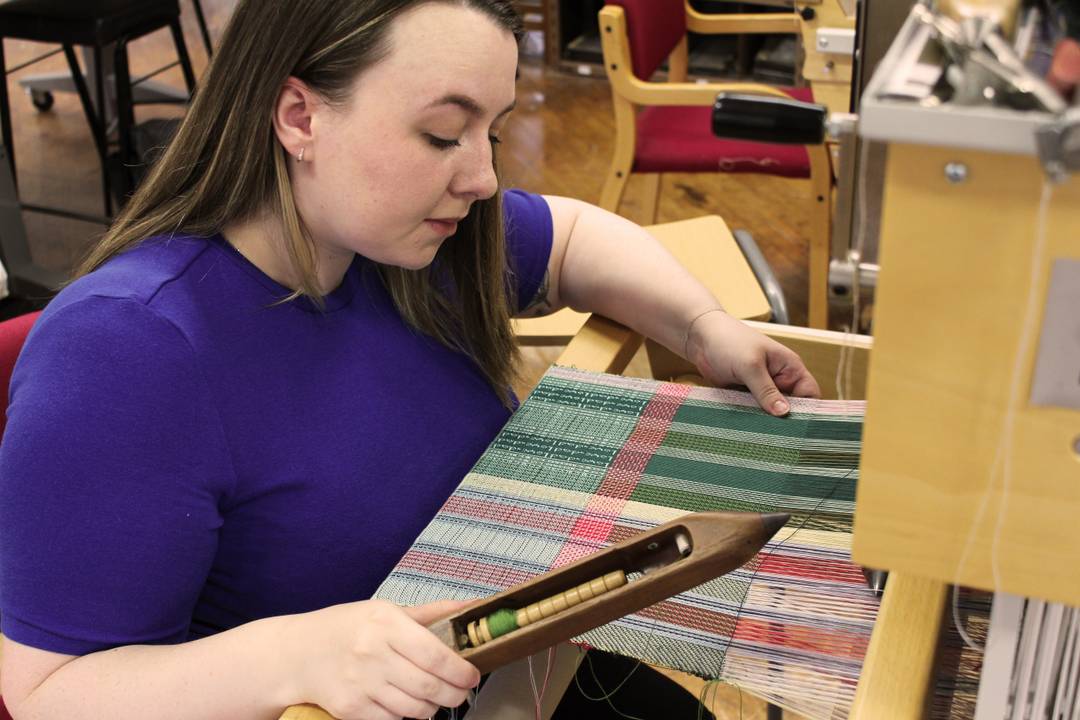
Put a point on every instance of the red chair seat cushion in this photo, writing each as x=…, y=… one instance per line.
x=680, y=139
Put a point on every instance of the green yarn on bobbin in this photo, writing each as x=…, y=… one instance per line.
x=501, y=622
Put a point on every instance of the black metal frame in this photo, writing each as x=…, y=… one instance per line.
x=202, y=27
x=25, y=278
x=125, y=106
x=95, y=113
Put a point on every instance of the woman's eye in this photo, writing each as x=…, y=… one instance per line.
x=442, y=143
x=494, y=140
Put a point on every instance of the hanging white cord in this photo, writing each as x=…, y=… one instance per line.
x=1003, y=454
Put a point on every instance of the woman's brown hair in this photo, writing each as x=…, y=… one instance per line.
x=225, y=165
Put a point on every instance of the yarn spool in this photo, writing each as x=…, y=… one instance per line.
x=505, y=620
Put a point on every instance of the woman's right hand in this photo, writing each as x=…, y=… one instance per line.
x=373, y=660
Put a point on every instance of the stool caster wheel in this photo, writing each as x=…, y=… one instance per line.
x=43, y=99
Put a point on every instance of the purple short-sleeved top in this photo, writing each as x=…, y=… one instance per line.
x=183, y=455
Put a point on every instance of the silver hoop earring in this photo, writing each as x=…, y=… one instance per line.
x=300, y=156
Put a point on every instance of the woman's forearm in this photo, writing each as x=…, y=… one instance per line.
x=613, y=267
x=603, y=263
x=241, y=673
x=367, y=659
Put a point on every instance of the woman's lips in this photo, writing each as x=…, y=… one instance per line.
x=443, y=227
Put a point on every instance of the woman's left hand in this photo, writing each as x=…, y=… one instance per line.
x=729, y=352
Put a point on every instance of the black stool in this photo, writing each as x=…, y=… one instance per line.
x=96, y=24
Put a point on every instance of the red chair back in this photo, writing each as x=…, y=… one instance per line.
x=654, y=28
x=13, y=334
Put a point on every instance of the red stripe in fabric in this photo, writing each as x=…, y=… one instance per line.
x=815, y=569
x=831, y=642
x=622, y=532
x=603, y=510
x=704, y=621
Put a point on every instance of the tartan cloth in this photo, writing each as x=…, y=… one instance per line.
x=590, y=459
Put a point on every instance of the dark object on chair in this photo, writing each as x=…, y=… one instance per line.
x=97, y=24
x=768, y=119
x=759, y=118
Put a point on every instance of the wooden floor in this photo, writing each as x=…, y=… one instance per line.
x=558, y=141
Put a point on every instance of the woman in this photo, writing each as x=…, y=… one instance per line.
x=280, y=361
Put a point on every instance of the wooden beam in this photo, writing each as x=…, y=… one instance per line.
x=897, y=675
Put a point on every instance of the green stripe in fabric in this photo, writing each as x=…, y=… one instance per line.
x=576, y=424
x=731, y=448
x=554, y=448
x=735, y=476
x=694, y=502
x=822, y=467
x=751, y=420
x=821, y=458
x=593, y=397
x=579, y=477
x=826, y=430
x=798, y=443
x=755, y=497
x=817, y=519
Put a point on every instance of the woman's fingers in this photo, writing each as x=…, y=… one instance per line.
x=420, y=647
x=422, y=685
x=790, y=374
x=427, y=614
x=758, y=380
x=806, y=386
x=769, y=371
x=401, y=704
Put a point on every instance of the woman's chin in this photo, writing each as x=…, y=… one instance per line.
x=421, y=259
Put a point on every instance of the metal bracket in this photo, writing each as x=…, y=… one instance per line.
x=1058, y=144
x=835, y=41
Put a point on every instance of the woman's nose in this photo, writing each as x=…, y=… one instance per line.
x=477, y=178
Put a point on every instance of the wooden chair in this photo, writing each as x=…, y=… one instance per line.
x=665, y=127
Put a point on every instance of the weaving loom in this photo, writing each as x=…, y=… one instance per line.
x=590, y=459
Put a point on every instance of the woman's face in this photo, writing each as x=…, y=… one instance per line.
x=392, y=171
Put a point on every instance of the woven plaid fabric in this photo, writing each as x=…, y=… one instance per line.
x=590, y=459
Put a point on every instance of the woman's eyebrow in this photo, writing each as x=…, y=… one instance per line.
x=469, y=105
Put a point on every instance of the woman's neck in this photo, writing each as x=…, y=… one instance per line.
x=261, y=239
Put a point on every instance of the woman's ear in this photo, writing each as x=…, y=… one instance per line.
x=292, y=118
